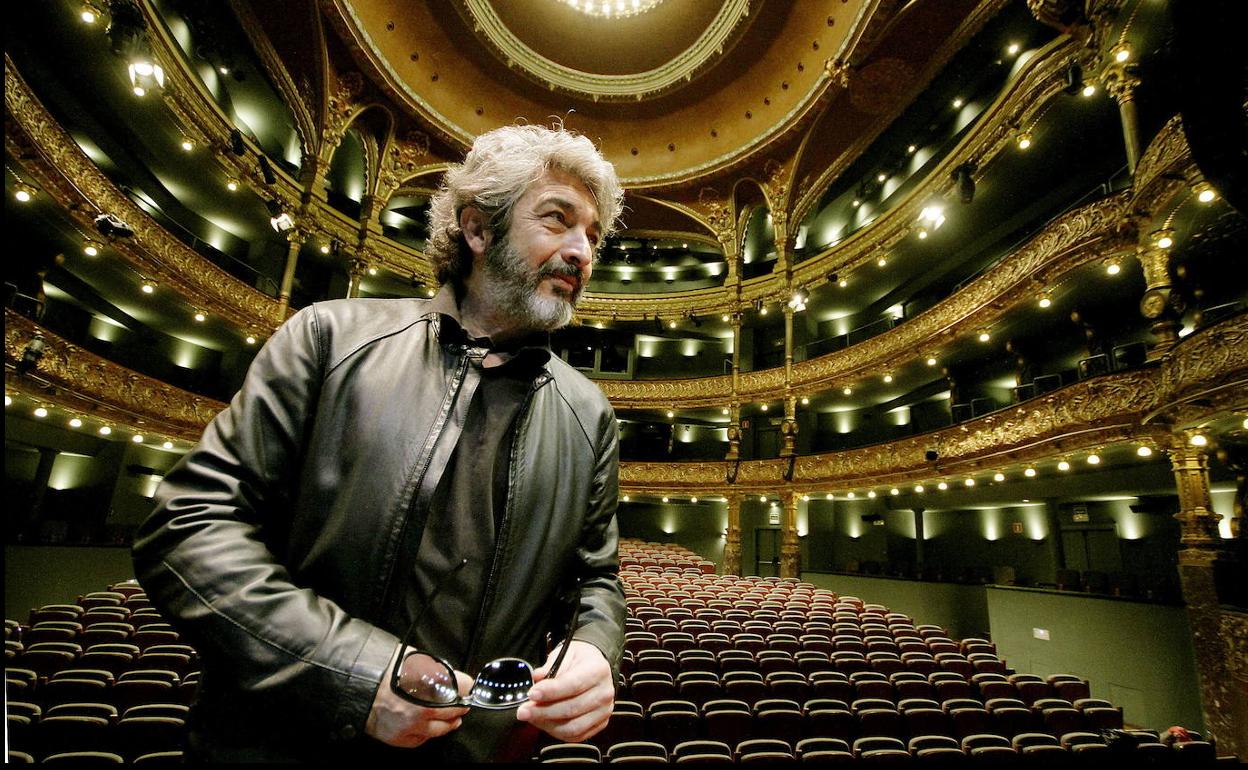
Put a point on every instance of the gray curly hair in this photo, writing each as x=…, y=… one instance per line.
x=497, y=171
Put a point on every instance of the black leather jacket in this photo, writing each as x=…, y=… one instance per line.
x=272, y=543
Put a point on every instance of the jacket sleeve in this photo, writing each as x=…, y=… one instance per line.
x=203, y=558
x=601, y=620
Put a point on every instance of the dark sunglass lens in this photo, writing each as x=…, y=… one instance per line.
x=428, y=679
x=503, y=683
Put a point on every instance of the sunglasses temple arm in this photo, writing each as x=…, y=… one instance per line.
x=567, y=642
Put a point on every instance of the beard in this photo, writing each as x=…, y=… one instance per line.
x=514, y=288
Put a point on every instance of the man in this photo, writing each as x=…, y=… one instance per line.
x=405, y=463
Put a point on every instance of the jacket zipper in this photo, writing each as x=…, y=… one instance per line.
x=426, y=459
x=504, y=528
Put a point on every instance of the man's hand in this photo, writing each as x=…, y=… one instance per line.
x=577, y=703
x=401, y=723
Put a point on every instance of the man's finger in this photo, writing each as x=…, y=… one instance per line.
x=436, y=728
x=465, y=682
x=568, y=683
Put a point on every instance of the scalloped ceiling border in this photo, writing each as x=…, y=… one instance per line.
x=636, y=86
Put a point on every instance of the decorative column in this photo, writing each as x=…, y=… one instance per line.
x=788, y=429
x=732, y=539
x=1198, y=553
x=734, y=408
x=1161, y=304
x=918, y=538
x=356, y=268
x=790, y=546
x=295, y=239
x=313, y=171
x=1121, y=81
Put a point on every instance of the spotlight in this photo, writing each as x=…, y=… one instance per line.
x=693, y=499
x=963, y=177
x=92, y=248
x=231, y=185
x=626, y=498
x=1089, y=89
x=848, y=391
x=958, y=102
x=1121, y=53
x=805, y=401
x=998, y=476
x=843, y=283
x=881, y=177
x=918, y=488
x=1045, y=301
x=1164, y=238
x=828, y=496
x=1112, y=267
x=984, y=336
x=882, y=262
x=670, y=414
x=266, y=171
x=148, y=286
x=1029, y=472
x=871, y=494
x=105, y=430
x=671, y=324
x=41, y=412
x=969, y=482
x=1198, y=439
x=665, y=498
x=112, y=226
x=888, y=378
x=251, y=339
x=280, y=220
x=1094, y=459
x=31, y=353
x=911, y=149
x=324, y=248
x=1144, y=451
x=894, y=491
x=1024, y=140
x=167, y=445
x=942, y=486
x=931, y=360
x=23, y=192
x=89, y=14
x=762, y=310
x=1013, y=49
x=236, y=142
x=200, y=317
x=1063, y=466
x=765, y=407
x=75, y=422
x=851, y=495
x=922, y=233
x=137, y=438
x=8, y=400
x=1205, y=193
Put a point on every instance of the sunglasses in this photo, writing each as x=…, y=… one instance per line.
x=427, y=680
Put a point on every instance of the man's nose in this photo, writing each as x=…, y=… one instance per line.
x=577, y=249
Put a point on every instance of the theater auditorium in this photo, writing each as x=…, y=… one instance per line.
x=923, y=325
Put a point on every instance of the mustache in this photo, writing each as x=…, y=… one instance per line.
x=559, y=268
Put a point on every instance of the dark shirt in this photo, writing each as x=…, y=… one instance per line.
x=467, y=509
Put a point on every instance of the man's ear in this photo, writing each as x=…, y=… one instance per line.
x=476, y=228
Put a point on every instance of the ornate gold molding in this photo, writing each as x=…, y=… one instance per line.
x=1093, y=413
x=1083, y=236
x=1088, y=414
x=992, y=133
x=630, y=87
x=76, y=379
x=60, y=167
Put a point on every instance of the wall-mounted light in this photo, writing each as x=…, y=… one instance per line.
x=23, y=192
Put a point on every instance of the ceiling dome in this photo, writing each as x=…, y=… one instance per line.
x=670, y=94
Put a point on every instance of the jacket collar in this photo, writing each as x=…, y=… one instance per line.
x=532, y=350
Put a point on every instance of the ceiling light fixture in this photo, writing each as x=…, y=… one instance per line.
x=89, y=14
x=881, y=177
x=969, y=482
x=848, y=391
x=764, y=407
x=199, y=316
x=1089, y=89
x=137, y=438
x=188, y=145
x=958, y=102
x=1013, y=49
x=984, y=336
x=251, y=339
x=1094, y=459
x=1113, y=267
x=1045, y=301
x=75, y=422
x=1198, y=439
x=725, y=318
x=231, y=185
x=1121, y=53
x=105, y=430
x=91, y=248
x=148, y=286
x=1205, y=192
x=41, y=412
x=843, y=283
x=167, y=445
x=851, y=495
x=805, y=401
x=998, y=476
x=1029, y=473
x=919, y=488
x=1024, y=141
x=1164, y=238
x=1063, y=465
x=882, y=261
x=1144, y=451
x=888, y=378
x=931, y=360
x=871, y=494
x=942, y=486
